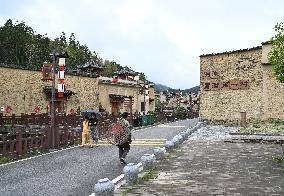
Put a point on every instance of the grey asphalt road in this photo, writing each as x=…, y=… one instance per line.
x=75, y=171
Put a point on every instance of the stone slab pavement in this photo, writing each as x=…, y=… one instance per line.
x=216, y=168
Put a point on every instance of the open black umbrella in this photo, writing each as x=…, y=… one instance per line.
x=92, y=111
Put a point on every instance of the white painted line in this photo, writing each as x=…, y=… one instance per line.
x=118, y=178
x=33, y=157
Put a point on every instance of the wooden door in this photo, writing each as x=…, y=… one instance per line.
x=115, y=108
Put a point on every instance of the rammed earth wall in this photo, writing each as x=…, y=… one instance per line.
x=239, y=81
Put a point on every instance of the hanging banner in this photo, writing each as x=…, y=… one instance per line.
x=61, y=75
x=61, y=88
x=61, y=61
x=46, y=71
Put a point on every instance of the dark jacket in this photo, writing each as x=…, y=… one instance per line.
x=93, y=121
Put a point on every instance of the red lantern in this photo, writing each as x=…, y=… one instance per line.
x=8, y=109
x=72, y=111
x=37, y=109
x=60, y=94
x=115, y=79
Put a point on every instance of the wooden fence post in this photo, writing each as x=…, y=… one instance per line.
x=48, y=141
x=243, y=119
x=19, y=142
x=13, y=119
x=4, y=143
x=1, y=119
x=57, y=137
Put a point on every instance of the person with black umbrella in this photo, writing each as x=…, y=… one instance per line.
x=93, y=122
x=123, y=137
x=86, y=137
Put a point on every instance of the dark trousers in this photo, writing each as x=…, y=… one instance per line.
x=123, y=149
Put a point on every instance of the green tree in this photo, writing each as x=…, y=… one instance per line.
x=39, y=51
x=157, y=102
x=21, y=46
x=97, y=58
x=180, y=112
x=15, y=41
x=142, y=77
x=59, y=44
x=109, y=68
x=276, y=55
x=78, y=54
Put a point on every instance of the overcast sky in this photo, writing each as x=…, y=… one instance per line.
x=162, y=38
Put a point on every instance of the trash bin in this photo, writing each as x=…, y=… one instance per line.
x=148, y=119
x=144, y=120
x=151, y=119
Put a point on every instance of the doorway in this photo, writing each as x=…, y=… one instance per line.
x=115, y=107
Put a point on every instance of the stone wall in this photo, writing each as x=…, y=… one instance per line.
x=152, y=98
x=23, y=91
x=105, y=89
x=231, y=83
x=273, y=95
x=87, y=92
x=262, y=97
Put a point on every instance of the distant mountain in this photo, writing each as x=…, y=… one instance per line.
x=160, y=88
x=195, y=89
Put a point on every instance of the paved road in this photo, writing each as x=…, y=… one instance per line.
x=75, y=171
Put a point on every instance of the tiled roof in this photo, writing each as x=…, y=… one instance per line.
x=19, y=67
x=90, y=64
x=126, y=70
x=233, y=51
x=267, y=42
x=67, y=70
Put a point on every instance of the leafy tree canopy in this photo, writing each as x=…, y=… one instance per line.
x=276, y=55
x=21, y=46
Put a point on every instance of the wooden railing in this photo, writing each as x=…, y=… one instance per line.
x=40, y=119
x=20, y=140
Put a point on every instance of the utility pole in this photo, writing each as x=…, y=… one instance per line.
x=144, y=94
x=52, y=123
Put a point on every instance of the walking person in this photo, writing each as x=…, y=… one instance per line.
x=86, y=137
x=93, y=122
x=125, y=139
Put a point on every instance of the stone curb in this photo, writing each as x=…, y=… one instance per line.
x=179, y=139
x=255, y=138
